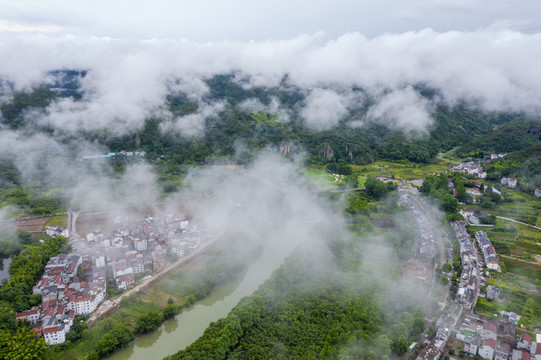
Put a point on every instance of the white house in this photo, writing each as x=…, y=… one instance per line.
x=184, y=224
x=524, y=342
x=502, y=352
x=54, y=231
x=537, y=193
x=518, y=354
x=100, y=261
x=140, y=245
x=490, y=331
x=138, y=264
x=509, y=182
x=179, y=252
x=84, y=305
x=54, y=335
x=32, y=316
x=486, y=351
x=512, y=183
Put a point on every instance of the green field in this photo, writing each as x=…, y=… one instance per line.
x=516, y=245
x=530, y=271
x=322, y=179
x=362, y=180
x=59, y=220
x=401, y=170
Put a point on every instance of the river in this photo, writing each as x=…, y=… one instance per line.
x=185, y=328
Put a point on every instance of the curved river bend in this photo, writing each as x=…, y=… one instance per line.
x=185, y=328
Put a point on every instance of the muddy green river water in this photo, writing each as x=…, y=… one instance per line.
x=185, y=328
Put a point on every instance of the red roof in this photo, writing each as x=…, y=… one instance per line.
x=49, y=312
x=26, y=313
x=525, y=355
x=51, y=329
x=83, y=298
x=526, y=337
x=491, y=327
x=490, y=342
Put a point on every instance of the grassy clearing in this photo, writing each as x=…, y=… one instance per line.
x=59, y=220
x=362, y=180
x=524, y=303
x=517, y=267
x=322, y=179
x=401, y=170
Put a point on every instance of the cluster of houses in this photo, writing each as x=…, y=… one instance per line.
x=470, y=279
x=445, y=327
x=496, y=340
x=471, y=168
x=479, y=336
x=64, y=295
x=54, y=231
x=135, y=247
x=509, y=182
x=473, y=216
x=489, y=253
x=141, y=246
x=489, y=158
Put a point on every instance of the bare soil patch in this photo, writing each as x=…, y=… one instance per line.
x=33, y=226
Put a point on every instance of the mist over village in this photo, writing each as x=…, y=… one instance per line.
x=278, y=180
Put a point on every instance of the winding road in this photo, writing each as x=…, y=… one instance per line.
x=440, y=156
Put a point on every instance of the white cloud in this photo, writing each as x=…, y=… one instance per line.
x=128, y=80
x=323, y=109
x=193, y=124
x=402, y=108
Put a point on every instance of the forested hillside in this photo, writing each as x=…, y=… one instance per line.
x=524, y=165
x=309, y=309
x=512, y=136
x=356, y=139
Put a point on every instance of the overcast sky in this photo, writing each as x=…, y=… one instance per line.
x=244, y=20
x=483, y=51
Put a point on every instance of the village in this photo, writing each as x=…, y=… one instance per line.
x=457, y=329
x=107, y=263
x=489, y=338
x=103, y=265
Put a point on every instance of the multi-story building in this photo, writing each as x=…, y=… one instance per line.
x=54, y=335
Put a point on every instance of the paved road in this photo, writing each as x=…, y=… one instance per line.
x=429, y=230
x=518, y=222
x=448, y=152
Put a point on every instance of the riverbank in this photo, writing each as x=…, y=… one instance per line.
x=184, y=282
x=191, y=324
